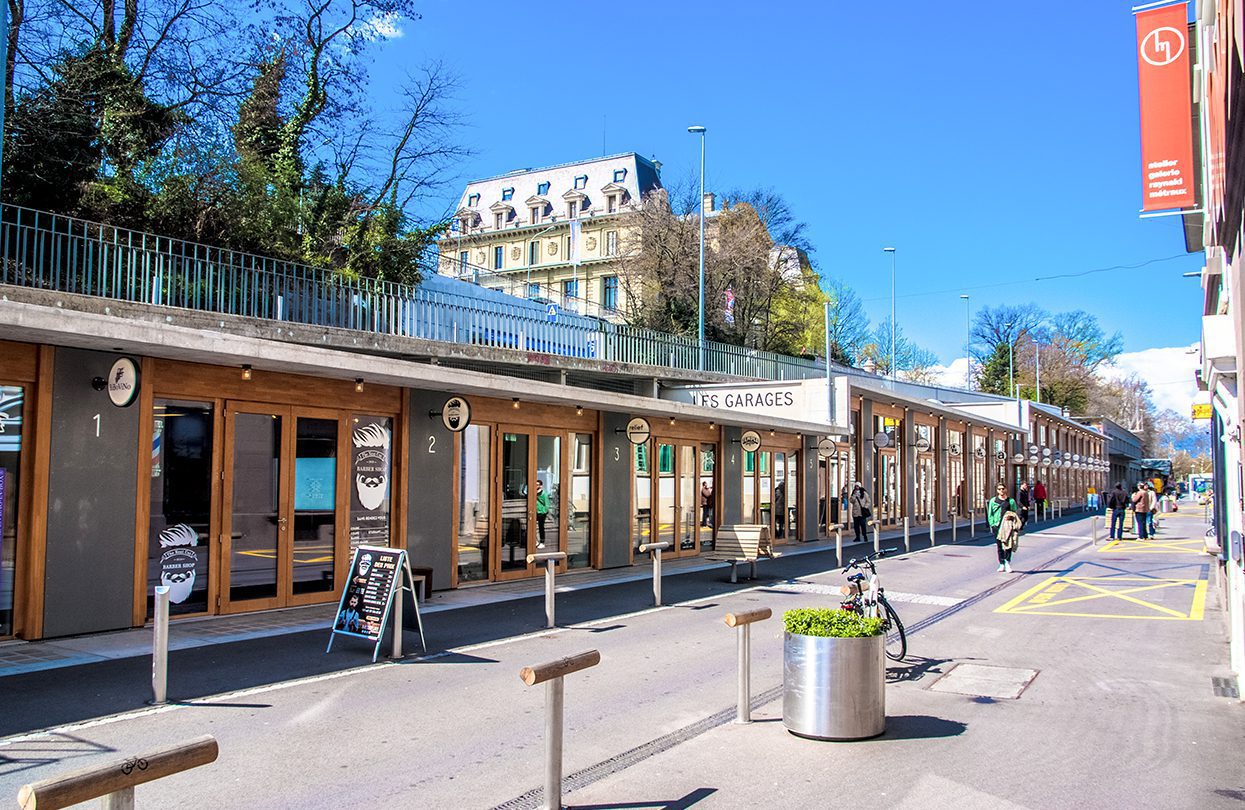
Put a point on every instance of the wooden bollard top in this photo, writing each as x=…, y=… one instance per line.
x=92, y=783
x=663, y=545
x=747, y=617
x=556, y=669
x=545, y=556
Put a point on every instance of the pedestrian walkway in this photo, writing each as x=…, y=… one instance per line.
x=17, y=657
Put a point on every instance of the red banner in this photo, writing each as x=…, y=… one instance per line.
x=1166, y=108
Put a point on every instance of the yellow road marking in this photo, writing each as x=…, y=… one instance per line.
x=1153, y=546
x=1032, y=601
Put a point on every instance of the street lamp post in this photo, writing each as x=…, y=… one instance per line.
x=700, y=328
x=891, y=251
x=968, y=337
x=1037, y=376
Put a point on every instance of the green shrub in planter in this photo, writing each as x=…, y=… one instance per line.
x=830, y=623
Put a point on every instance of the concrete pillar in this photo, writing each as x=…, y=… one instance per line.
x=907, y=461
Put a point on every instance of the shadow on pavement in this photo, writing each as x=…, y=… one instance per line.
x=921, y=727
x=678, y=804
x=57, y=748
x=914, y=668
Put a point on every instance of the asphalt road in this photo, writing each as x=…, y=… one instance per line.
x=1120, y=712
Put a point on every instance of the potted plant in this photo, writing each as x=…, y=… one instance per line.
x=833, y=674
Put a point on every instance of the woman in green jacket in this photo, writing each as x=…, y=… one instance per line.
x=542, y=512
x=996, y=508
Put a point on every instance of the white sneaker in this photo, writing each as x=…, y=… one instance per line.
x=540, y=545
x=1000, y=566
x=1007, y=567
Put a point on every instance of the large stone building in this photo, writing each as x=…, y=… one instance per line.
x=555, y=233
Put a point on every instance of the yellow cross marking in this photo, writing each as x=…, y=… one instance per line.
x=1185, y=546
x=1040, y=598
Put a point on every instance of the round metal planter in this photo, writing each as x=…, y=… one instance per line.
x=834, y=688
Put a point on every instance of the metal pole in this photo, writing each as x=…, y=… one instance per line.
x=931, y=531
x=829, y=383
x=549, y=565
x=972, y=525
x=907, y=541
x=121, y=800
x=968, y=335
x=838, y=542
x=954, y=521
x=877, y=543
x=1093, y=529
x=657, y=577
x=891, y=251
x=159, y=652
x=1037, y=361
x=700, y=321
x=553, y=743
x=744, y=712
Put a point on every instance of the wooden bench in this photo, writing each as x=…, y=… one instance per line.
x=740, y=543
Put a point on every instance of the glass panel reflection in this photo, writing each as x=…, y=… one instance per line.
x=474, y=504
x=181, y=504
x=514, y=478
x=256, y=502
x=11, y=404
x=315, y=504
x=549, y=493
x=579, y=516
x=666, y=507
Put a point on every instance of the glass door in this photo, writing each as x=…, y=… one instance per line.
x=281, y=538
x=475, y=500
x=12, y=407
x=533, y=512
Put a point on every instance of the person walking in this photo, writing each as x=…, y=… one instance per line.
x=542, y=512
x=1153, y=525
x=1141, y=511
x=859, y=506
x=1117, y=505
x=706, y=502
x=1039, y=497
x=1024, y=499
x=1003, y=521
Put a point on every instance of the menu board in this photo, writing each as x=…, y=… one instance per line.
x=375, y=573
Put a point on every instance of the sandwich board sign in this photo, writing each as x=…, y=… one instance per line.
x=378, y=577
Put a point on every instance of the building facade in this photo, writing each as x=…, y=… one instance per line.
x=556, y=234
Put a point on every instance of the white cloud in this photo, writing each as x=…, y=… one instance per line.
x=380, y=26
x=1169, y=371
x=953, y=375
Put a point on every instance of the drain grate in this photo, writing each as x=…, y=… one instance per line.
x=1224, y=687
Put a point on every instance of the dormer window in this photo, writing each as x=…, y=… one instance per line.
x=536, y=213
x=611, y=204
x=464, y=225
x=507, y=193
x=499, y=219
x=620, y=175
x=542, y=188
x=473, y=200
x=581, y=181
x=572, y=209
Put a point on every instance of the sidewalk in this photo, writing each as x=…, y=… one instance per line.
x=19, y=657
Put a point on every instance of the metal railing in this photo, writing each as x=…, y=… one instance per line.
x=54, y=252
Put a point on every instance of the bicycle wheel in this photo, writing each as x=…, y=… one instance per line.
x=896, y=639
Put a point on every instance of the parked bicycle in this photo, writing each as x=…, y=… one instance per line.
x=866, y=596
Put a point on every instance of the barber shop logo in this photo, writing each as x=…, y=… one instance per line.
x=371, y=465
x=178, y=561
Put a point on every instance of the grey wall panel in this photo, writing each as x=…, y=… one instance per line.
x=431, y=502
x=91, y=496
x=810, y=502
x=732, y=477
x=615, y=492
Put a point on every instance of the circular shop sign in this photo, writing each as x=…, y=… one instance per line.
x=638, y=430
x=123, y=382
x=922, y=444
x=826, y=447
x=881, y=439
x=980, y=452
x=954, y=449
x=1000, y=455
x=456, y=414
x=750, y=441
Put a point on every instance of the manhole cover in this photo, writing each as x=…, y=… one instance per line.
x=979, y=680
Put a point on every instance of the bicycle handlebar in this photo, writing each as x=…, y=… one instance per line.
x=868, y=561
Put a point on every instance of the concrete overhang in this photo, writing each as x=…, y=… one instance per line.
x=879, y=391
x=102, y=331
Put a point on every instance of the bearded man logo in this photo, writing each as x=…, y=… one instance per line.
x=371, y=465
x=178, y=561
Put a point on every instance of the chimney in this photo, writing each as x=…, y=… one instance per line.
x=707, y=203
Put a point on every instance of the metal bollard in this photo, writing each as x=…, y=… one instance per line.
x=972, y=525
x=932, y=542
x=838, y=543
x=907, y=539
x=656, y=549
x=877, y=543
x=551, y=560
x=551, y=674
x=1093, y=530
x=743, y=622
x=160, y=650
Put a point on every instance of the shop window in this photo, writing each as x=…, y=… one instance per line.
x=474, y=503
x=181, y=504
x=12, y=399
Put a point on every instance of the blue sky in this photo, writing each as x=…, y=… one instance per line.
x=991, y=143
